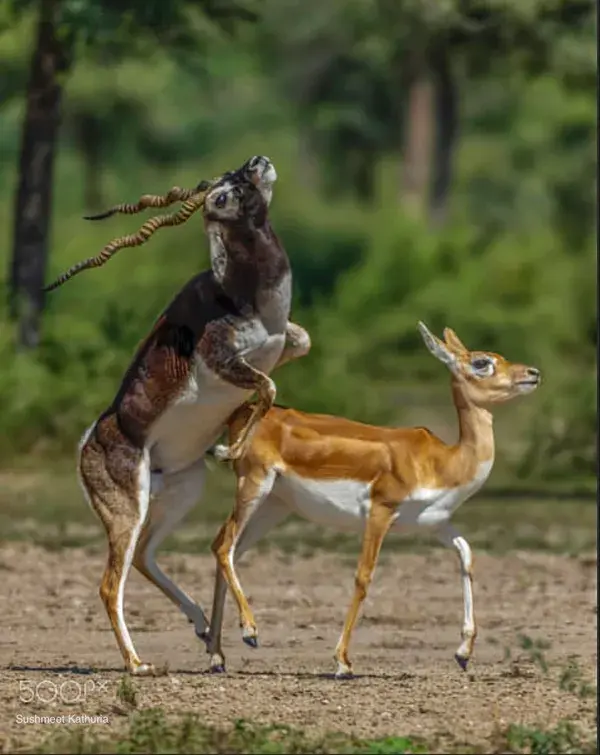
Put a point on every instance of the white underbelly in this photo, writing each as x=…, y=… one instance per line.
x=431, y=507
x=196, y=419
x=338, y=504
x=187, y=430
x=345, y=504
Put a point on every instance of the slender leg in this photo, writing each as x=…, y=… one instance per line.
x=377, y=525
x=117, y=485
x=266, y=392
x=450, y=537
x=253, y=488
x=266, y=516
x=177, y=495
x=297, y=344
x=254, y=485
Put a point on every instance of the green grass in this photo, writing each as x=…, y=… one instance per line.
x=151, y=731
x=126, y=692
x=572, y=680
x=47, y=507
x=563, y=739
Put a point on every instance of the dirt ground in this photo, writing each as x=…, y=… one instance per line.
x=56, y=642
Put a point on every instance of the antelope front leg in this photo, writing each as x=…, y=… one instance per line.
x=266, y=391
x=297, y=344
x=223, y=357
x=450, y=537
x=378, y=523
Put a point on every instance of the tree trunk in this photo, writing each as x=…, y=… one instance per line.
x=33, y=199
x=446, y=111
x=418, y=131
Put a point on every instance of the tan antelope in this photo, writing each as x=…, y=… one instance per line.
x=141, y=463
x=351, y=476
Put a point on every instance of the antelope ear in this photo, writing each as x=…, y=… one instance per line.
x=436, y=347
x=453, y=341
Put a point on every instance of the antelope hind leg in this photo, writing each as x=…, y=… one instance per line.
x=116, y=481
x=176, y=494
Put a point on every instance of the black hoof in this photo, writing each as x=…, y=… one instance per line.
x=252, y=642
x=462, y=662
x=344, y=677
x=204, y=637
x=218, y=669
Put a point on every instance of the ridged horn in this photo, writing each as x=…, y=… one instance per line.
x=175, y=194
x=188, y=208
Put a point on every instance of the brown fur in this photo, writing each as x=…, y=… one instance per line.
x=196, y=332
x=198, y=321
x=393, y=461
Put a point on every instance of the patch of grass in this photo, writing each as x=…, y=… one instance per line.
x=150, y=731
x=52, y=497
x=47, y=507
x=126, y=692
x=564, y=739
x=390, y=746
x=535, y=650
x=572, y=680
x=559, y=525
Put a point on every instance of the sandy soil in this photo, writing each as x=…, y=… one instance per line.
x=56, y=642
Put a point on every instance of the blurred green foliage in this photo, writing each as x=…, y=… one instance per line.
x=512, y=270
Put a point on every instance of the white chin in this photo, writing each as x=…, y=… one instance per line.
x=528, y=387
x=270, y=175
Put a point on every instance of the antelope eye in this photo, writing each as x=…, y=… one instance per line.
x=221, y=201
x=481, y=364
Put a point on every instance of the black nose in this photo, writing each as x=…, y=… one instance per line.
x=533, y=372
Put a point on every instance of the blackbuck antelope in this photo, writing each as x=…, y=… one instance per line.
x=352, y=476
x=141, y=463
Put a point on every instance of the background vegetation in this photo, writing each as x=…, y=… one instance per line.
x=436, y=161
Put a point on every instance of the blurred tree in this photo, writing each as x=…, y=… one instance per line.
x=51, y=57
x=369, y=78
x=64, y=29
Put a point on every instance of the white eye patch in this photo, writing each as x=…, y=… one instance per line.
x=483, y=367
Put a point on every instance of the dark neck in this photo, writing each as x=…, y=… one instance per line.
x=256, y=259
